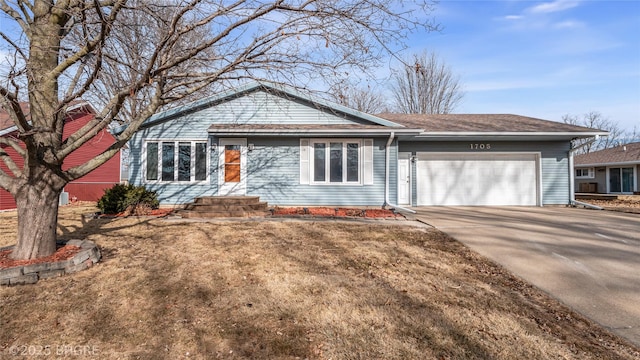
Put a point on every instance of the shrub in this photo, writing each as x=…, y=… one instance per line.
x=112, y=202
x=127, y=198
x=140, y=201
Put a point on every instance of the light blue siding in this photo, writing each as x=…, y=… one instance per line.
x=170, y=193
x=554, y=162
x=273, y=166
x=261, y=107
x=555, y=173
x=274, y=175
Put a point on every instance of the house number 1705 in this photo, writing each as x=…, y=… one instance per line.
x=480, y=146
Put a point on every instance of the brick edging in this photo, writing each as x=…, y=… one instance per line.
x=88, y=255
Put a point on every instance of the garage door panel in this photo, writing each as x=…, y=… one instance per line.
x=476, y=179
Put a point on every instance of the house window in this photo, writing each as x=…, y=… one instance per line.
x=336, y=161
x=585, y=173
x=171, y=161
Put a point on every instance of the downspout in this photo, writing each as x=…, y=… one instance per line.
x=387, y=150
x=572, y=174
x=572, y=186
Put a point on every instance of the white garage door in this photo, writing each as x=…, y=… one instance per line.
x=452, y=179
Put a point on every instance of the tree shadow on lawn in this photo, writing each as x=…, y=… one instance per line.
x=309, y=290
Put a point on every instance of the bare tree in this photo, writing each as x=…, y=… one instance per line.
x=632, y=135
x=135, y=57
x=426, y=85
x=595, y=120
x=367, y=100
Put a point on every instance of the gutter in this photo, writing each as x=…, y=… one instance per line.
x=386, y=177
x=8, y=130
x=312, y=132
x=605, y=164
x=436, y=134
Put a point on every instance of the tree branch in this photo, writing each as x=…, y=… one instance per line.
x=4, y=156
x=14, y=45
x=7, y=182
x=11, y=105
x=105, y=29
x=23, y=22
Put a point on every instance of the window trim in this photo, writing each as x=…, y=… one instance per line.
x=591, y=173
x=176, y=160
x=344, y=142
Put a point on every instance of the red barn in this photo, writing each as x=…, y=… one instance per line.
x=89, y=187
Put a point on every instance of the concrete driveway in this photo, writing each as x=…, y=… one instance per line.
x=588, y=259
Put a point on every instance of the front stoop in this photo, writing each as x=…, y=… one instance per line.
x=225, y=206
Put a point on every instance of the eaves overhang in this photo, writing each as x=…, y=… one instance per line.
x=225, y=132
x=506, y=136
x=8, y=130
x=609, y=164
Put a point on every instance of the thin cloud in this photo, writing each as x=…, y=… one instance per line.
x=513, y=17
x=569, y=24
x=554, y=6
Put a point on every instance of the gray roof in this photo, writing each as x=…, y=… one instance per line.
x=449, y=126
x=624, y=154
x=479, y=123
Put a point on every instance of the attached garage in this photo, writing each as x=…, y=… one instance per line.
x=477, y=179
x=485, y=160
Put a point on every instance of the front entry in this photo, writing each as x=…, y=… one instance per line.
x=232, y=167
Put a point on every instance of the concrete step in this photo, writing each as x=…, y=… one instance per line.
x=226, y=207
x=216, y=200
x=189, y=214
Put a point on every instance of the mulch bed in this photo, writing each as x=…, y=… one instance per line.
x=62, y=253
x=334, y=212
x=628, y=206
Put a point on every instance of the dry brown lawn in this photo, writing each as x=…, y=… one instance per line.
x=629, y=204
x=287, y=290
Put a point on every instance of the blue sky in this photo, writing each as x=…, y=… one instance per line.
x=542, y=59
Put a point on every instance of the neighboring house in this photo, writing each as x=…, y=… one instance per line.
x=89, y=187
x=293, y=149
x=609, y=171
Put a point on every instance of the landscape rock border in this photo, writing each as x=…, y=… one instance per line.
x=88, y=255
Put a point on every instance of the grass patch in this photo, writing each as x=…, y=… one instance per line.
x=287, y=290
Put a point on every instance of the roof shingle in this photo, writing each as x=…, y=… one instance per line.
x=629, y=153
x=480, y=123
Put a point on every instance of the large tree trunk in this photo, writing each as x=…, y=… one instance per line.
x=40, y=183
x=37, y=204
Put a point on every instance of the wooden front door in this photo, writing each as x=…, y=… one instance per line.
x=232, y=174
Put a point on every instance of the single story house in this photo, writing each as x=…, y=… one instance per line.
x=609, y=171
x=89, y=187
x=291, y=148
